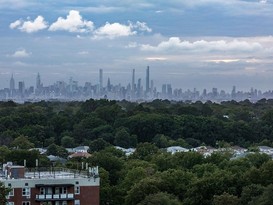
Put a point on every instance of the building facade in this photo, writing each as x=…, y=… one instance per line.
x=51, y=187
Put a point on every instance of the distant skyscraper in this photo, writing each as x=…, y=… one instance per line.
x=147, y=79
x=108, y=85
x=139, y=87
x=214, y=92
x=164, y=89
x=38, y=81
x=101, y=80
x=12, y=83
x=169, y=90
x=204, y=94
x=21, y=86
x=133, y=80
x=12, y=86
x=233, y=92
x=152, y=86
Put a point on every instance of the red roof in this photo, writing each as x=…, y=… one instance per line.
x=80, y=154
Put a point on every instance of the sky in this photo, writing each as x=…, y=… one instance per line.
x=190, y=44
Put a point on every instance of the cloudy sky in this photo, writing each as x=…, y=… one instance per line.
x=191, y=44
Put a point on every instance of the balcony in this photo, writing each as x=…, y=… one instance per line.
x=54, y=197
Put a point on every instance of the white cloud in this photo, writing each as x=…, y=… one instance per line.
x=115, y=30
x=15, y=24
x=156, y=58
x=176, y=44
x=73, y=23
x=22, y=53
x=142, y=26
x=132, y=45
x=30, y=26
x=223, y=60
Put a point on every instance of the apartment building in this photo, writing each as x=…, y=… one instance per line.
x=51, y=186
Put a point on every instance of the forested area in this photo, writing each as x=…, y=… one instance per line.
x=151, y=175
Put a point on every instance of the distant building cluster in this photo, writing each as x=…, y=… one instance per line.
x=134, y=91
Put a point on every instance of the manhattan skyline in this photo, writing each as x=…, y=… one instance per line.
x=72, y=90
x=200, y=44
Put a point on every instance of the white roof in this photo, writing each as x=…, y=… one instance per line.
x=174, y=149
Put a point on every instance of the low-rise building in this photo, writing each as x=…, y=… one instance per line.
x=128, y=151
x=175, y=149
x=51, y=186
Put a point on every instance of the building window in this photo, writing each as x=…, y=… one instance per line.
x=26, y=203
x=42, y=190
x=61, y=203
x=26, y=191
x=60, y=190
x=10, y=203
x=77, y=190
x=77, y=202
x=11, y=193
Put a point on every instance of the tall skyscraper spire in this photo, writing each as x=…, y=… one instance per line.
x=147, y=79
x=38, y=81
x=101, y=80
x=12, y=83
x=133, y=83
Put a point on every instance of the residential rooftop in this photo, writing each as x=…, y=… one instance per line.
x=10, y=171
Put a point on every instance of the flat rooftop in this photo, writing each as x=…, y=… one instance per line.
x=53, y=173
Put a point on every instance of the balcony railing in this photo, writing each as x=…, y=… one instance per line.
x=53, y=197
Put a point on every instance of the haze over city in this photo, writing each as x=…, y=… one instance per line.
x=199, y=44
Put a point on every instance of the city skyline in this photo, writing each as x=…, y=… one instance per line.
x=102, y=78
x=205, y=43
x=72, y=90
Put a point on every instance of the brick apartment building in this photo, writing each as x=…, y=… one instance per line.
x=51, y=186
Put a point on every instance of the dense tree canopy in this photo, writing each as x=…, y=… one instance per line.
x=151, y=175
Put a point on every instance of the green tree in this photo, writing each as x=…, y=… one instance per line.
x=142, y=189
x=175, y=181
x=84, y=129
x=67, y=142
x=18, y=157
x=3, y=193
x=7, y=136
x=4, y=151
x=161, y=141
x=98, y=144
x=160, y=199
x=56, y=150
x=105, y=132
x=225, y=198
x=144, y=151
x=22, y=142
x=202, y=190
x=110, y=160
x=250, y=192
x=187, y=160
x=258, y=159
x=124, y=139
x=265, y=198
